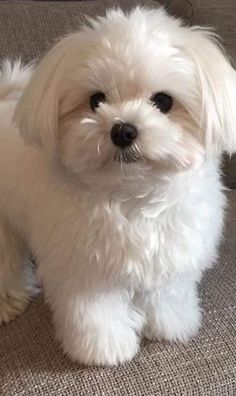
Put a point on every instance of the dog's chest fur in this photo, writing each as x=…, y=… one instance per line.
x=137, y=236
x=133, y=239
x=123, y=237
x=173, y=228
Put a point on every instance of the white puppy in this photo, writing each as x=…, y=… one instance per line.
x=115, y=185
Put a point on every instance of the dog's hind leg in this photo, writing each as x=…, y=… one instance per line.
x=17, y=283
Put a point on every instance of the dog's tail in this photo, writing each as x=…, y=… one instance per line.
x=13, y=79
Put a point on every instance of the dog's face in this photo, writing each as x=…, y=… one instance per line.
x=131, y=92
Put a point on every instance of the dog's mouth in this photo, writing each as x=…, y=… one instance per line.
x=128, y=155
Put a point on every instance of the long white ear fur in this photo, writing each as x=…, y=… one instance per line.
x=217, y=80
x=38, y=110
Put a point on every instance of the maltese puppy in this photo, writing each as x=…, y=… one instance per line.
x=111, y=178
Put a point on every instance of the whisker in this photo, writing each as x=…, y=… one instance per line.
x=98, y=148
x=90, y=134
x=88, y=121
x=131, y=154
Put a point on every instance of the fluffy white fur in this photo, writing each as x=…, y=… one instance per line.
x=120, y=246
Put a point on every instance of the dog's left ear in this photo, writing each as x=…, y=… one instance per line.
x=216, y=79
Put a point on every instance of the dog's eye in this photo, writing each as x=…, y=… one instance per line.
x=96, y=99
x=162, y=101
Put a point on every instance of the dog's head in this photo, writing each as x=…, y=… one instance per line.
x=132, y=90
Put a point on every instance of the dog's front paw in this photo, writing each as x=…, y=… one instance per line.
x=173, y=323
x=106, y=349
x=106, y=333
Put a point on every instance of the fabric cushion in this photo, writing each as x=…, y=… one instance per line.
x=217, y=14
x=28, y=28
x=31, y=362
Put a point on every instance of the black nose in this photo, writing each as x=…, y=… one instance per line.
x=123, y=134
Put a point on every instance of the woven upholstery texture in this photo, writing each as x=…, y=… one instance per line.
x=31, y=362
x=29, y=28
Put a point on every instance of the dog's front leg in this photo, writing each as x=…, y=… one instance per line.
x=172, y=309
x=99, y=328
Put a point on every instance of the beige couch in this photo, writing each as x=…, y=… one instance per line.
x=31, y=362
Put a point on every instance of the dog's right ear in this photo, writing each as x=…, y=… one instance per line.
x=37, y=112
